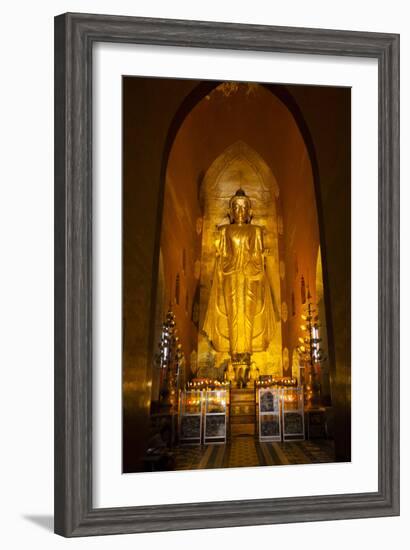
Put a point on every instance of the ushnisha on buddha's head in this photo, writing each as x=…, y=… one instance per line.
x=240, y=208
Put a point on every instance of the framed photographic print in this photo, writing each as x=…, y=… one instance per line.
x=226, y=228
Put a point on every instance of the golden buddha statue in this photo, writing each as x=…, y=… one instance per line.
x=253, y=373
x=229, y=375
x=240, y=316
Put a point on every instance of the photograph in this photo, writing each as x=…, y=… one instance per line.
x=204, y=235
x=236, y=251
x=226, y=274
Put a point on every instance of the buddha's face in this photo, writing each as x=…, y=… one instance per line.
x=241, y=210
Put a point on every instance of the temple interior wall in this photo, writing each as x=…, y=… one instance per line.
x=182, y=137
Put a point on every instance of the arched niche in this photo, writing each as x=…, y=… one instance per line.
x=244, y=131
x=240, y=166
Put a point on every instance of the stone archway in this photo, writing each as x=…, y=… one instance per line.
x=160, y=312
x=320, y=301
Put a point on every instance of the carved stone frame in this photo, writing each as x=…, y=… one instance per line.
x=74, y=38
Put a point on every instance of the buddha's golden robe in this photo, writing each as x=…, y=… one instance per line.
x=240, y=316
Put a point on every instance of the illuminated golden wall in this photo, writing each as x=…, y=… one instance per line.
x=180, y=247
x=171, y=126
x=240, y=135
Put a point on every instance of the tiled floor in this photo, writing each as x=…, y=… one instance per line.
x=247, y=451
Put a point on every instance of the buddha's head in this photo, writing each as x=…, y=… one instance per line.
x=240, y=208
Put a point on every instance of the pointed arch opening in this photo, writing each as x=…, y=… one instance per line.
x=222, y=138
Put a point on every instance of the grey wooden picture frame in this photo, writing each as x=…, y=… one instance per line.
x=75, y=35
